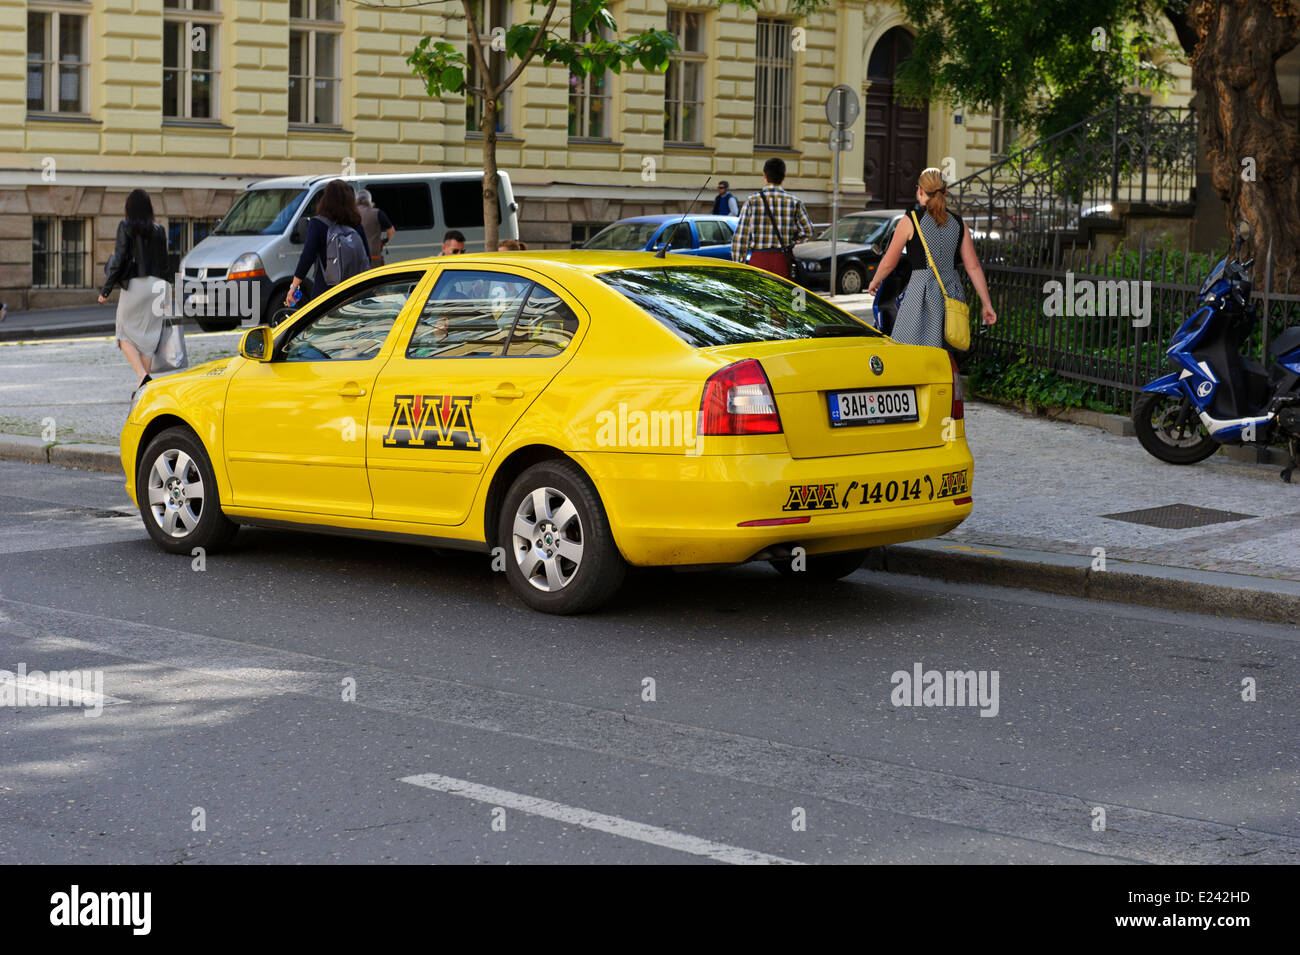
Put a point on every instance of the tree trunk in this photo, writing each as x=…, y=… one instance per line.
x=1254, y=154
x=491, y=205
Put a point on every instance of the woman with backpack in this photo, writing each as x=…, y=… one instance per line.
x=138, y=263
x=333, y=237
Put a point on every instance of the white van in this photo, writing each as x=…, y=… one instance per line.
x=258, y=242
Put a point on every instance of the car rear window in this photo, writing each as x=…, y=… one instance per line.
x=707, y=306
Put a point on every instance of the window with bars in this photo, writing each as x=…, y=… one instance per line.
x=59, y=252
x=183, y=235
x=489, y=15
x=1002, y=135
x=684, y=81
x=773, y=83
x=190, y=36
x=315, y=77
x=56, y=61
x=589, y=97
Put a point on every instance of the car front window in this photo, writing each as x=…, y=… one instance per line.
x=260, y=212
x=355, y=327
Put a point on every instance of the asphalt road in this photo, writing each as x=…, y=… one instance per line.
x=225, y=736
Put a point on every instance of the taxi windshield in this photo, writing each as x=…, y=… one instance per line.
x=707, y=306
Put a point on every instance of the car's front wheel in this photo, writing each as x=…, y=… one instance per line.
x=851, y=280
x=561, y=556
x=177, y=495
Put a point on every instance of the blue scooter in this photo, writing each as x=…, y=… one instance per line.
x=1218, y=395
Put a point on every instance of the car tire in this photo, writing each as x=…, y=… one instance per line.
x=851, y=280
x=824, y=568
x=174, y=476
x=567, y=561
x=224, y=325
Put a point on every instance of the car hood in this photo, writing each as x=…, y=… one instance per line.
x=822, y=249
x=219, y=251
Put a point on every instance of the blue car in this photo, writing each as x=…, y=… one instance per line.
x=689, y=235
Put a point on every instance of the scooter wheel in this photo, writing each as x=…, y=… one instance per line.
x=1170, y=430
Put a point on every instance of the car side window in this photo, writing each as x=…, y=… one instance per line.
x=468, y=314
x=712, y=232
x=354, y=327
x=545, y=326
x=676, y=233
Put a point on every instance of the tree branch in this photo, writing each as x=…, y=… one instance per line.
x=532, y=49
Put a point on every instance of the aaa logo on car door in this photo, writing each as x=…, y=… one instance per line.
x=432, y=421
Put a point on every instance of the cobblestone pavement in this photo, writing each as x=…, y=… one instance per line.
x=1038, y=483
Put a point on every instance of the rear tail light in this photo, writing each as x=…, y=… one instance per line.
x=738, y=400
x=958, y=397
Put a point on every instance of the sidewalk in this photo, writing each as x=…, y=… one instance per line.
x=1048, y=495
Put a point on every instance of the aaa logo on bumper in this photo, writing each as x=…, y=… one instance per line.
x=811, y=497
x=432, y=421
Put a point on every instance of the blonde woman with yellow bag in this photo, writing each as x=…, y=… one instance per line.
x=930, y=239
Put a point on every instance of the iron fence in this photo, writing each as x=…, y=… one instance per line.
x=1131, y=152
x=1108, y=318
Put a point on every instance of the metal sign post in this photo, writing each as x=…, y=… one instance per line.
x=841, y=110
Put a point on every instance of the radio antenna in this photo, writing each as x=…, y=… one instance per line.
x=677, y=225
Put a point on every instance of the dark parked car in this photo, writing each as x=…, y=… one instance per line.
x=861, y=239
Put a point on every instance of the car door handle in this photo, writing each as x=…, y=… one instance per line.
x=507, y=391
x=352, y=390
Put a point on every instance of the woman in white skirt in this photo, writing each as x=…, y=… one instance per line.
x=921, y=313
x=138, y=262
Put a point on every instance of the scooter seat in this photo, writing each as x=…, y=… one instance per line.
x=1288, y=341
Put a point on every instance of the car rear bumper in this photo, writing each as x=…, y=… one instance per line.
x=668, y=509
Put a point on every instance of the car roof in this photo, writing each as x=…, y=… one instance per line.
x=301, y=182
x=670, y=216
x=586, y=261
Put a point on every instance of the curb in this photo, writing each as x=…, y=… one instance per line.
x=87, y=457
x=1071, y=575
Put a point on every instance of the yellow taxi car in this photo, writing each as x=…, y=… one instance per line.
x=569, y=413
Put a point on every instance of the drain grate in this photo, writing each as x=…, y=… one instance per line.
x=1178, y=516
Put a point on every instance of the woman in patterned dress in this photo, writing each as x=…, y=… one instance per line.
x=921, y=312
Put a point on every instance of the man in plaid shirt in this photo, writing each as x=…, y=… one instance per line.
x=756, y=241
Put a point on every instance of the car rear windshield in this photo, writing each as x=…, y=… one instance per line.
x=709, y=306
x=627, y=236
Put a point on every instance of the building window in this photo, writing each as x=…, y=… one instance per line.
x=315, y=37
x=489, y=15
x=589, y=96
x=59, y=252
x=684, y=82
x=582, y=233
x=56, y=62
x=190, y=34
x=773, y=83
x=182, y=236
x=1002, y=135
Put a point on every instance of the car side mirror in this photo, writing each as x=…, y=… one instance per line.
x=299, y=234
x=256, y=345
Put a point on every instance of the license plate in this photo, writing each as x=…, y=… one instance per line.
x=874, y=406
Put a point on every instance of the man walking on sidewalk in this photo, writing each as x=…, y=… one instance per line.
x=726, y=203
x=772, y=222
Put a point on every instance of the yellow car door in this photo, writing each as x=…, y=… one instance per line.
x=295, y=425
x=485, y=344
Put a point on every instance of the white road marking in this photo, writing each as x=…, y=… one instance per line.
x=65, y=694
x=614, y=825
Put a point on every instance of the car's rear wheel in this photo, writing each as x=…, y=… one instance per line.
x=822, y=568
x=177, y=495
x=561, y=555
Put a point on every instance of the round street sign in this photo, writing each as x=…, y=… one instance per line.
x=842, y=106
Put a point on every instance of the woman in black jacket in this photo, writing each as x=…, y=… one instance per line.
x=338, y=206
x=138, y=262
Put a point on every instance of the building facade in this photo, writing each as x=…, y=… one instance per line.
x=193, y=99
